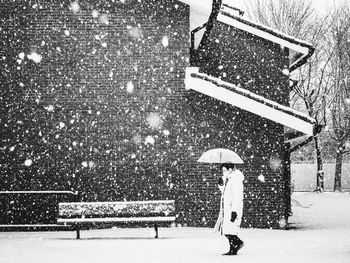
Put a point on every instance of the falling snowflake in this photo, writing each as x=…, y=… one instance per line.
x=150, y=140
x=166, y=132
x=91, y=164
x=84, y=164
x=74, y=6
x=154, y=120
x=285, y=72
x=130, y=87
x=275, y=164
x=50, y=108
x=165, y=41
x=104, y=19
x=62, y=125
x=35, y=57
x=136, y=139
x=282, y=223
x=94, y=13
x=135, y=32
x=21, y=55
x=261, y=178
x=66, y=32
x=28, y=162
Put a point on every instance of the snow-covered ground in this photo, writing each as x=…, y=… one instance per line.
x=322, y=234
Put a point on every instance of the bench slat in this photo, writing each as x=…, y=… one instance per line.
x=118, y=219
x=121, y=202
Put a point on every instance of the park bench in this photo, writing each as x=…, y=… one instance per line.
x=79, y=214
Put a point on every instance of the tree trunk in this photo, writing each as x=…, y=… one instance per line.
x=338, y=168
x=320, y=172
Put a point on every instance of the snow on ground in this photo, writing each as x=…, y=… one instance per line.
x=321, y=234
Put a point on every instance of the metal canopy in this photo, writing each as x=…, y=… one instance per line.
x=249, y=101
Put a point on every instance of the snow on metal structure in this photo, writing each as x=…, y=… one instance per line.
x=203, y=11
x=248, y=101
x=301, y=49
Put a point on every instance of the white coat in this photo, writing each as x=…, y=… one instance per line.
x=231, y=200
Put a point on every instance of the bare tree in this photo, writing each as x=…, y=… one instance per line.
x=314, y=89
x=340, y=74
x=289, y=16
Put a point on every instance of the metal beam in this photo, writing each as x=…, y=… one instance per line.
x=243, y=102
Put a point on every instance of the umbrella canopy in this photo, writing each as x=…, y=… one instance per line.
x=220, y=155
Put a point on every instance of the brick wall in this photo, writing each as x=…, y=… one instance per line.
x=92, y=96
x=93, y=99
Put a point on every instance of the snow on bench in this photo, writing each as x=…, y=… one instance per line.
x=80, y=213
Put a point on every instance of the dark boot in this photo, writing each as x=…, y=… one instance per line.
x=232, y=250
x=237, y=244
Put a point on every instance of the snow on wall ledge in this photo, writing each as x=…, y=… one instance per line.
x=249, y=101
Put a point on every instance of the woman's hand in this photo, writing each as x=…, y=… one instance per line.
x=221, y=181
x=233, y=216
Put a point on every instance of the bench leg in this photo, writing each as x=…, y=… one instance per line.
x=156, y=229
x=78, y=231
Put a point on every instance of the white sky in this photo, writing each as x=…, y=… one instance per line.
x=319, y=5
x=200, y=9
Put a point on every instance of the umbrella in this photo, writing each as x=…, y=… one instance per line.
x=220, y=155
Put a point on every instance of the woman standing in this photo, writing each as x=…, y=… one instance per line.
x=231, y=206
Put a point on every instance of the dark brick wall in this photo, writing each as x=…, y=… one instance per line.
x=105, y=111
x=80, y=114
